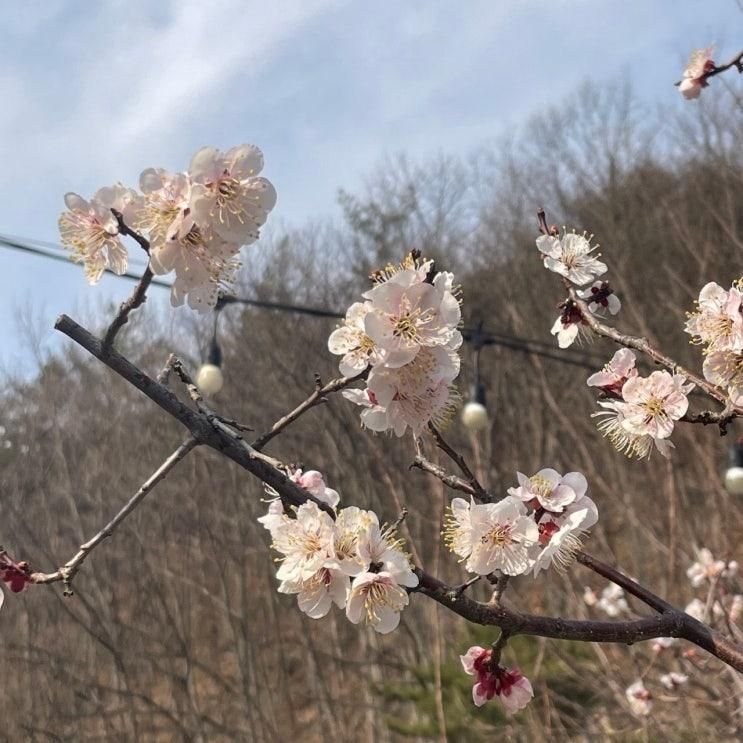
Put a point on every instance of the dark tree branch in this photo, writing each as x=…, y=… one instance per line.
x=670, y=623
x=460, y=461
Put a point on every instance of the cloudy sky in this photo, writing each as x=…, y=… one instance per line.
x=93, y=92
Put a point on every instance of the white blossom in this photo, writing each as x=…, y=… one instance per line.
x=90, y=230
x=612, y=601
x=706, y=568
x=725, y=369
x=614, y=374
x=551, y=490
x=718, y=321
x=695, y=608
x=639, y=698
x=570, y=256
x=227, y=193
x=492, y=536
x=700, y=63
x=673, y=680
x=376, y=599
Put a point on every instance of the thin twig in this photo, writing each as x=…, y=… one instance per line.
x=67, y=572
x=461, y=462
x=125, y=309
x=140, y=291
x=317, y=397
x=452, y=481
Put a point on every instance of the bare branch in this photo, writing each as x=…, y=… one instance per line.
x=67, y=572
x=452, y=481
x=460, y=461
x=317, y=397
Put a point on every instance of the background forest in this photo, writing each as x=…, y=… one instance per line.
x=176, y=631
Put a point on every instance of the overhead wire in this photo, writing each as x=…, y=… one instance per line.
x=476, y=335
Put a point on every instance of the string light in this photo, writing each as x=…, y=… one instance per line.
x=734, y=473
x=475, y=413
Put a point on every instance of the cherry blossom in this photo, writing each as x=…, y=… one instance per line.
x=614, y=374
x=306, y=543
x=512, y=688
x=700, y=63
x=316, y=594
x=381, y=548
x=376, y=599
x=600, y=296
x=725, y=369
x=706, y=568
x=350, y=524
x=312, y=481
x=90, y=230
x=654, y=403
x=407, y=313
x=639, y=698
x=550, y=490
x=492, y=536
x=570, y=256
x=611, y=423
x=589, y=596
x=612, y=601
x=718, y=320
x=357, y=349
x=560, y=534
x=166, y=197
x=673, y=680
x=228, y=194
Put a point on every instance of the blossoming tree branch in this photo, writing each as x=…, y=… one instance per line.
x=398, y=350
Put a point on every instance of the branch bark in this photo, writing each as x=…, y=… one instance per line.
x=67, y=572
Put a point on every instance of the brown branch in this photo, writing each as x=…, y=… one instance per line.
x=670, y=623
x=460, y=461
x=643, y=345
x=126, y=308
x=452, y=481
x=140, y=291
x=212, y=433
x=318, y=396
x=67, y=572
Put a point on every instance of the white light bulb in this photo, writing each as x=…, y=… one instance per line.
x=475, y=416
x=209, y=379
x=734, y=480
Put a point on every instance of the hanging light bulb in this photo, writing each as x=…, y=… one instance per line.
x=209, y=378
x=734, y=473
x=475, y=414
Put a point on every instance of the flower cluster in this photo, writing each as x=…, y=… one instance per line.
x=196, y=222
x=538, y=523
x=611, y=601
x=493, y=680
x=700, y=64
x=405, y=333
x=350, y=561
x=706, y=568
x=639, y=413
x=717, y=324
x=571, y=256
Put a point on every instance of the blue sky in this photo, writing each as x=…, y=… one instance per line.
x=95, y=92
